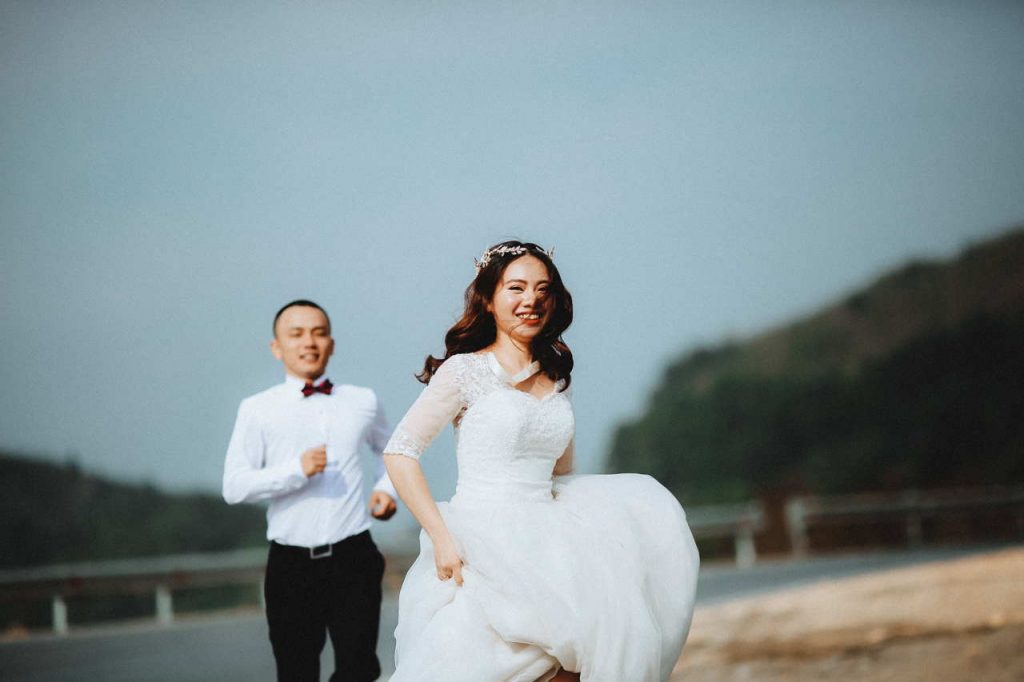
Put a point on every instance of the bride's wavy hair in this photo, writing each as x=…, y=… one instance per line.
x=476, y=329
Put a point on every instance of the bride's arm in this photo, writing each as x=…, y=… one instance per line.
x=437, y=405
x=563, y=467
x=408, y=479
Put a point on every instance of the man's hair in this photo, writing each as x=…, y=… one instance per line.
x=297, y=303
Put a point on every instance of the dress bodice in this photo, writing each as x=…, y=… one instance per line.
x=507, y=440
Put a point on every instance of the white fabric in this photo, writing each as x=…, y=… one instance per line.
x=596, y=574
x=263, y=461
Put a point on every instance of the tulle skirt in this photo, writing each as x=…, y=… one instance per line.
x=600, y=580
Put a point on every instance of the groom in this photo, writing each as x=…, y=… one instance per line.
x=296, y=444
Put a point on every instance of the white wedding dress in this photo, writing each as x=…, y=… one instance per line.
x=594, y=574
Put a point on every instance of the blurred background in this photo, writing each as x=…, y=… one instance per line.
x=793, y=234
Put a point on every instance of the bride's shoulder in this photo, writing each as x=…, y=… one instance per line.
x=457, y=365
x=466, y=359
x=463, y=369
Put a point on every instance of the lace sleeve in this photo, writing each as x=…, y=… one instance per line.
x=438, y=404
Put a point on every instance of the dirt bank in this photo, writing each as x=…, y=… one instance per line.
x=956, y=620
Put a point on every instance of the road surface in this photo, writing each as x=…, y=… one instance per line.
x=235, y=648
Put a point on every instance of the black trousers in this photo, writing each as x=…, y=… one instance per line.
x=308, y=598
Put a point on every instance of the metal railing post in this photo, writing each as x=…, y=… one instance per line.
x=746, y=551
x=164, y=605
x=796, y=522
x=60, y=615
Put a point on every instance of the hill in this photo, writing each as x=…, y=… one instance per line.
x=56, y=514
x=911, y=382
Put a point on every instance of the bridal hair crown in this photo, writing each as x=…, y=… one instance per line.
x=504, y=250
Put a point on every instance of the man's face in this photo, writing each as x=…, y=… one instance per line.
x=302, y=341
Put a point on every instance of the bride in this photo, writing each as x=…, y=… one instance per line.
x=530, y=573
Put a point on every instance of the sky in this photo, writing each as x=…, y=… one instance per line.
x=172, y=173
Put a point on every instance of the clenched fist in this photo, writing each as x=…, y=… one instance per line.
x=382, y=505
x=314, y=460
x=447, y=561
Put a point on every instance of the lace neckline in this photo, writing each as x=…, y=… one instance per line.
x=511, y=379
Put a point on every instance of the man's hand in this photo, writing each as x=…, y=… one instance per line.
x=382, y=505
x=314, y=460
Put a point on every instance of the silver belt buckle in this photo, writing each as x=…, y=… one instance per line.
x=321, y=551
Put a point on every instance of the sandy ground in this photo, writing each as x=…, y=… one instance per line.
x=957, y=620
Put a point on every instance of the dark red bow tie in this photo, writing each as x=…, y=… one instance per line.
x=309, y=389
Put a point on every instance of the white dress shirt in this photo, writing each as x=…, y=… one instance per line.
x=263, y=461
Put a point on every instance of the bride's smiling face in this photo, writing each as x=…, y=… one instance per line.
x=520, y=302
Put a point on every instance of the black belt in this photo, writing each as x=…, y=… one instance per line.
x=323, y=551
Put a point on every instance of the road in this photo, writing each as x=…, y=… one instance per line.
x=235, y=648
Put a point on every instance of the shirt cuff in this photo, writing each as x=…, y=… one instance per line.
x=384, y=485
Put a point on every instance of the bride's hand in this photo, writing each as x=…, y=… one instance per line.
x=447, y=560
